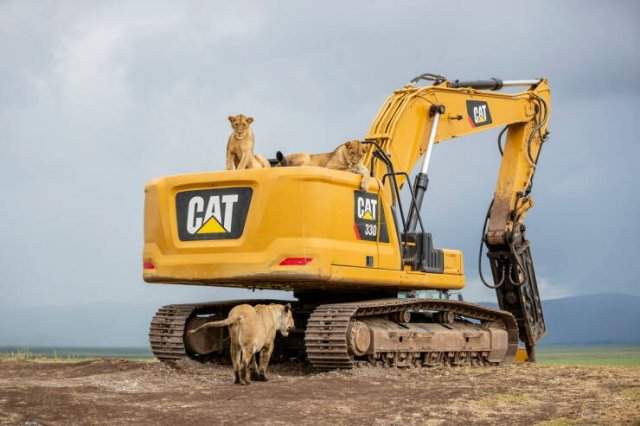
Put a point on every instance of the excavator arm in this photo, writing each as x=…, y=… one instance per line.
x=414, y=119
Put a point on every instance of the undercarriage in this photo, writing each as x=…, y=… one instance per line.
x=386, y=332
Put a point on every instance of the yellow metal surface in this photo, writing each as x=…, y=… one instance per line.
x=294, y=212
x=403, y=123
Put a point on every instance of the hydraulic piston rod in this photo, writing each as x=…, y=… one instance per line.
x=492, y=83
x=422, y=178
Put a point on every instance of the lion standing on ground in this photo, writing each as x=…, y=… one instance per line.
x=253, y=330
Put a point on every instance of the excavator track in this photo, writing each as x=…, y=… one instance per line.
x=330, y=334
x=330, y=330
x=167, y=330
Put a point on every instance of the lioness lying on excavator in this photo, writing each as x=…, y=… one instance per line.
x=347, y=156
x=253, y=330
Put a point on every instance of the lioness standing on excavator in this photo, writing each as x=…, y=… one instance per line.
x=253, y=330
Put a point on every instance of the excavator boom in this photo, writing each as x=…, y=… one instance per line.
x=414, y=119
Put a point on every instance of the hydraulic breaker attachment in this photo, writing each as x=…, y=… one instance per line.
x=517, y=290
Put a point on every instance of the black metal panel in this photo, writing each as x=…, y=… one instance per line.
x=226, y=208
x=420, y=254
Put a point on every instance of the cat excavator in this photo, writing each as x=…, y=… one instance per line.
x=372, y=289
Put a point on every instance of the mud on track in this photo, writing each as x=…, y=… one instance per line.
x=127, y=392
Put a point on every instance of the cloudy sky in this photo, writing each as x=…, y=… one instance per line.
x=98, y=97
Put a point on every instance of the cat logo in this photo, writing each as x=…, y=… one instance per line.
x=210, y=223
x=366, y=208
x=367, y=223
x=478, y=113
x=212, y=214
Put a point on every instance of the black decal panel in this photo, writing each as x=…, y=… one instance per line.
x=212, y=214
x=478, y=113
x=369, y=220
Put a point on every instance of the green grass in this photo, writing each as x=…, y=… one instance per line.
x=72, y=354
x=25, y=354
x=624, y=356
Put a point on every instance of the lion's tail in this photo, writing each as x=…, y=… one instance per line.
x=221, y=323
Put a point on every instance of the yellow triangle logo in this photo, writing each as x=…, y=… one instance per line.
x=212, y=226
x=367, y=216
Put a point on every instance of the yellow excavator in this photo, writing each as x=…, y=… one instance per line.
x=372, y=289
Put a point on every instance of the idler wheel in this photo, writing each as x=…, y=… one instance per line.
x=359, y=338
x=446, y=317
x=403, y=316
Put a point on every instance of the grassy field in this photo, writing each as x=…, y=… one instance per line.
x=547, y=355
x=628, y=356
x=63, y=354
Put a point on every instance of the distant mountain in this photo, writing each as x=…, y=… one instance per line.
x=598, y=319
x=595, y=319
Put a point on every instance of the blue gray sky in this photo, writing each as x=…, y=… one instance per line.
x=98, y=97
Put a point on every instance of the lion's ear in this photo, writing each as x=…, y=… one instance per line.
x=348, y=144
x=287, y=307
x=249, y=120
x=232, y=118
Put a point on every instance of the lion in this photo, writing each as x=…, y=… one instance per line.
x=253, y=330
x=240, y=145
x=347, y=156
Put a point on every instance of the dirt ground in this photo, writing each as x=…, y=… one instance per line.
x=127, y=392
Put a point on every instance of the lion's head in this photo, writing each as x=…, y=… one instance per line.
x=285, y=323
x=355, y=151
x=240, y=124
